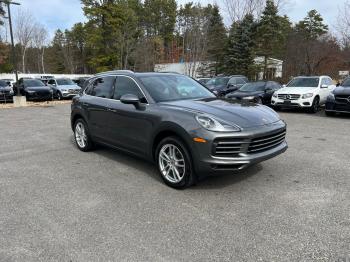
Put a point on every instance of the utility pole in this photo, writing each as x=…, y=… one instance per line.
x=13, y=51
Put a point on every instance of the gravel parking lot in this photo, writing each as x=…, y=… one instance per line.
x=59, y=204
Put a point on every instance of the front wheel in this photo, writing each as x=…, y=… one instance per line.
x=315, y=105
x=329, y=113
x=174, y=163
x=258, y=101
x=82, y=136
x=59, y=95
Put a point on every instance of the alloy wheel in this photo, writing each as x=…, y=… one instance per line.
x=80, y=135
x=172, y=163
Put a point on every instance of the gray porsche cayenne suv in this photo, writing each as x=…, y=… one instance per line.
x=175, y=122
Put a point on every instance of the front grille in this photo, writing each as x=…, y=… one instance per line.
x=232, y=147
x=288, y=96
x=343, y=98
x=265, y=143
x=73, y=91
x=227, y=147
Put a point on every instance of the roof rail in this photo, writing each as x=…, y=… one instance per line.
x=116, y=72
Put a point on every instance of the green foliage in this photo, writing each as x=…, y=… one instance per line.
x=241, y=48
x=312, y=25
x=217, y=39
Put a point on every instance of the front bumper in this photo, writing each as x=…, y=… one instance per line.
x=298, y=103
x=39, y=96
x=6, y=97
x=207, y=163
x=70, y=94
x=337, y=107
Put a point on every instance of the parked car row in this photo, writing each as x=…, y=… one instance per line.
x=47, y=88
x=304, y=92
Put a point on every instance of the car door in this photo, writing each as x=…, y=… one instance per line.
x=129, y=128
x=95, y=104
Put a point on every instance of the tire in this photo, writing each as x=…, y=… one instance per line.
x=258, y=101
x=315, y=105
x=59, y=95
x=176, y=170
x=277, y=108
x=329, y=113
x=82, y=138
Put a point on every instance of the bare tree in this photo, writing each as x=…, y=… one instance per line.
x=24, y=28
x=40, y=38
x=343, y=23
x=237, y=9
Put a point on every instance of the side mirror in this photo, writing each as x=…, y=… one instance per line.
x=130, y=99
x=324, y=86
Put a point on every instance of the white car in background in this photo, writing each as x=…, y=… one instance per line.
x=307, y=92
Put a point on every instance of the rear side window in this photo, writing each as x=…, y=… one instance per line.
x=101, y=87
x=240, y=81
x=124, y=86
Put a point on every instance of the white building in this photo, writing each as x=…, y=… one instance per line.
x=274, y=68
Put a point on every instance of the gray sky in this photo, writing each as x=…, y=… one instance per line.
x=64, y=13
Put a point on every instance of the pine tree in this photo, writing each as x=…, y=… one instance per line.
x=217, y=39
x=272, y=33
x=240, y=49
x=312, y=25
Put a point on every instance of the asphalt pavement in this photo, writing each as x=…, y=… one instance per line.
x=60, y=204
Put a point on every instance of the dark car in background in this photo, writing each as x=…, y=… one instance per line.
x=223, y=85
x=203, y=80
x=64, y=88
x=80, y=81
x=6, y=91
x=34, y=89
x=174, y=121
x=339, y=99
x=259, y=92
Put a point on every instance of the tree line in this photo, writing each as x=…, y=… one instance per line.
x=136, y=35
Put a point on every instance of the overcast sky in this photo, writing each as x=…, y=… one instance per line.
x=64, y=13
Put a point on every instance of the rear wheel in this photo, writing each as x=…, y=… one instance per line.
x=82, y=136
x=174, y=163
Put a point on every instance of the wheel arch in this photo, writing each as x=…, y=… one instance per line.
x=170, y=130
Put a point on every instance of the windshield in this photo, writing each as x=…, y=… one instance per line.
x=171, y=88
x=304, y=82
x=33, y=83
x=3, y=83
x=346, y=83
x=249, y=87
x=218, y=81
x=64, y=82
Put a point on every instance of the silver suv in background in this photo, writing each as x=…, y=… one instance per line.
x=64, y=88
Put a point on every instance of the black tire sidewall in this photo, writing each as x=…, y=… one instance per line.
x=313, y=109
x=89, y=143
x=189, y=177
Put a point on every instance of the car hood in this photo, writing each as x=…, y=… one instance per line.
x=245, y=94
x=342, y=90
x=296, y=90
x=68, y=87
x=38, y=88
x=245, y=115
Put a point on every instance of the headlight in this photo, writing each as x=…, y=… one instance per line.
x=308, y=95
x=275, y=95
x=31, y=92
x=211, y=124
x=11, y=92
x=249, y=98
x=331, y=96
x=64, y=90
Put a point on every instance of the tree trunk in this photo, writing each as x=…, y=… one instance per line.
x=42, y=60
x=23, y=60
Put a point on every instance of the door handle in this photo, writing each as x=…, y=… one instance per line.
x=111, y=110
